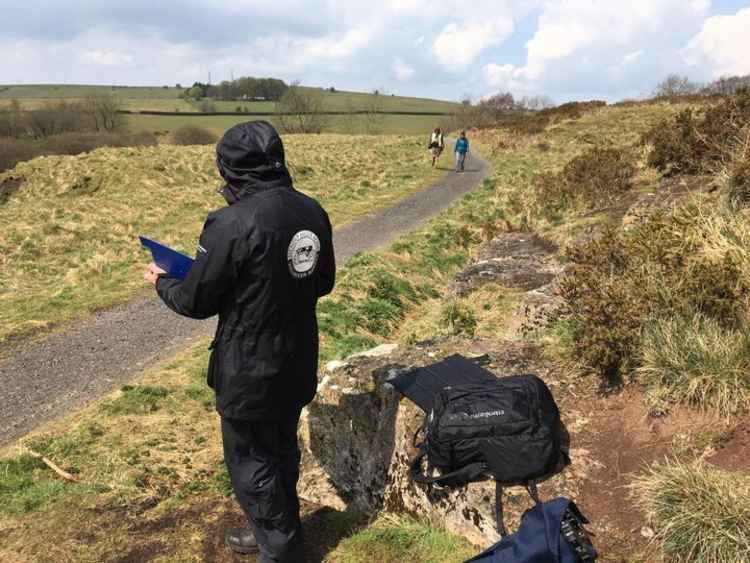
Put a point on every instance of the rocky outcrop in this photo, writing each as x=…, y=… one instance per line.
x=516, y=260
x=357, y=442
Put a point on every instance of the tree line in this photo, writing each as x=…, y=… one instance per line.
x=98, y=113
x=244, y=88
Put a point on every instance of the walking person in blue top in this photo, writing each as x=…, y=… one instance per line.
x=462, y=148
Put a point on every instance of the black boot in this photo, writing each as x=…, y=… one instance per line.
x=241, y=540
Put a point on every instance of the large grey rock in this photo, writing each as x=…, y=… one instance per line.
x=357, y=443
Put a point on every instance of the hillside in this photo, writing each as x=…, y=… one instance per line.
x=608, y=253
x=416, y=115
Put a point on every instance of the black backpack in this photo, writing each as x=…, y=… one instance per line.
x=508, y=429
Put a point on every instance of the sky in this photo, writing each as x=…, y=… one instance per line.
x=565, y=49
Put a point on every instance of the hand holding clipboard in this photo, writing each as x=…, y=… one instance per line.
x=175, y=264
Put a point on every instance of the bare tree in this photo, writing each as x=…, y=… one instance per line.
x=104, y=111
x=675, y=85
x=373, y=113
x=535, y=103
x=300, y=110
x=502, y=102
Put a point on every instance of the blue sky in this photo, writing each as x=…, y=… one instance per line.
x=566, y=49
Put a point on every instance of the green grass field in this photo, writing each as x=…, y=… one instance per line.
x=65, y=91
x=139, y=98
x=164, y=99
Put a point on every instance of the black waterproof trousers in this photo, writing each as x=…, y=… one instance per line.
x=263, y=463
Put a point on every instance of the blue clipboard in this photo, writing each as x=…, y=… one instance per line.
x=176, y=264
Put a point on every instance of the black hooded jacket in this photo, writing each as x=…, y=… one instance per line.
x=262, y=263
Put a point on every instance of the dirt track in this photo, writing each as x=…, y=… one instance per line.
x=42, y=380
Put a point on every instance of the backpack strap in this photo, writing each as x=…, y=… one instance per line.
x=530, y=488
x=499, y=510
x=533, y=491
x=458, y=477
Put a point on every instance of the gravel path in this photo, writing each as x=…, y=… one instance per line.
x=41, y=380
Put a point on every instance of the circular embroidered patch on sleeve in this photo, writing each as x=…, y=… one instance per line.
x=302, y=256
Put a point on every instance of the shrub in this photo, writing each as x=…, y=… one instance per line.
x=192, y=135
x=691, y=143
x=699, y=514
x=594, y=179
x=668, y=266
x=692, y=359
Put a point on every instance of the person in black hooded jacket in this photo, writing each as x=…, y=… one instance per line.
x=261, y=265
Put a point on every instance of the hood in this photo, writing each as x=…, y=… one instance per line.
x=250, y=157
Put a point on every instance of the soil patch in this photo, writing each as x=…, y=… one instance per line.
x=732, y=451
x=623, y=438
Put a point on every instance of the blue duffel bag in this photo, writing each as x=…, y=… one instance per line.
x=550, y=532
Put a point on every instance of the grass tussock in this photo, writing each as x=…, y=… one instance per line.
x=70, y=229
x=694, y=360
x=392, y=539
x=699, y=514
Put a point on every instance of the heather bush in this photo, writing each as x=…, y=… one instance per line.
x=594, y=179
x=697, y=141
x=689, y=262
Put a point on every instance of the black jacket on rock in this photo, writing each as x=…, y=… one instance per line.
x=262, y=263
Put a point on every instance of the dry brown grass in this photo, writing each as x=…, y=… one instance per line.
x=700, y=514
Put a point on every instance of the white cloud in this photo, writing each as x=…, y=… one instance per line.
x=630, y=58
x=459, y=44
x=723, y=44
x=600, y=48
x=573, y=48
x=106, y=57
x=336, y=46
x=402, y=70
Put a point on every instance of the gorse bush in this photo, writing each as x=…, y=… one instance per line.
x=594, y=179
x=674, y=265
x=700, y=514
x=694, y=142
x=192, y=135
